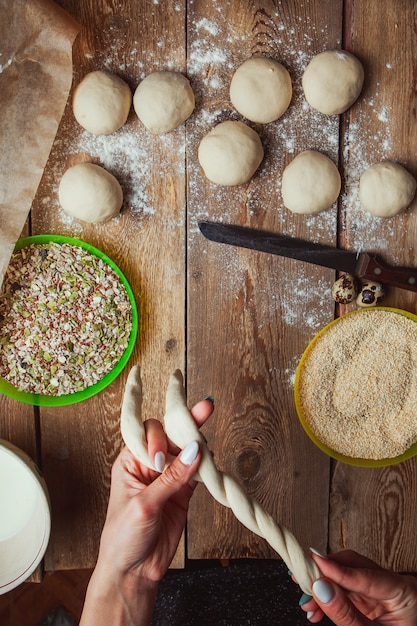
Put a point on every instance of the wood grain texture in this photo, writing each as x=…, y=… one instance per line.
x=80, y=443
x=373, y=511
x=29, y=604
x=235, y=321
x=19, y=425
x=243, y=306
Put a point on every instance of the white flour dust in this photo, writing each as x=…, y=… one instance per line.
x=131, y=154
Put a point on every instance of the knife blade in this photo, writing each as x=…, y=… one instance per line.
x=363, y=265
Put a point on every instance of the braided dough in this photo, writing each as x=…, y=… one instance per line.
x=181, y=429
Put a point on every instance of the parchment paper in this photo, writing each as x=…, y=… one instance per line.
x=36, y=38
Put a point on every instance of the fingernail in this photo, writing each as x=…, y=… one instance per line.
x=289, y=572
x=190, y=452
x=159, y=461
x=310, y=614
x=323, y=556
x=209, y=398
x=304, y=598
x=323, y=591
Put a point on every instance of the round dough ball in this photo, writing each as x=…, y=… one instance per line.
x=90, y=193
x=261, y=90
x=163, y=101
x=230, y=153
x=310, y=183
x=333, y=81
x=101, y=102
x=386, y=189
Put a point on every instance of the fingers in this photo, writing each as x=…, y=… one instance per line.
x=328, y=597
x=174, y=478
x=351, y=589
x=350, y=558
x=156, y=437
x=365, y=577
x=334, y=603
x=126, y=468
x=157, y=443
x=202, y=411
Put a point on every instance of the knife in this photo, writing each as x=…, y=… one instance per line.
x=363, y=265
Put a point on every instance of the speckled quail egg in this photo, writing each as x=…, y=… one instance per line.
x=345, y=289
x=371, y=294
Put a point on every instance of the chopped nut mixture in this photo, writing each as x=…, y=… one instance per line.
x=358, y=385
x=65, y=319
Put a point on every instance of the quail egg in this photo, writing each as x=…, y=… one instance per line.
x=371, y=294
x=345, y=289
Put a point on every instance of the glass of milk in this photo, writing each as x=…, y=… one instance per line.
x=24, y=516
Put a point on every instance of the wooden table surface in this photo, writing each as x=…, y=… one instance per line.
x=235, y=321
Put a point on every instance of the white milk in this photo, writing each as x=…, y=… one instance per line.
x=17, y=495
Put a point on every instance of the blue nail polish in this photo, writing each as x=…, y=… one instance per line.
x=304, y=599
x=159, y=461
x=209, y=398
x=190, y=452
x=323, y=590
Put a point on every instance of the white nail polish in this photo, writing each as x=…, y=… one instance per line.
x=190, y=452
x=323, y=556
x=159, y=462
x=323, y=591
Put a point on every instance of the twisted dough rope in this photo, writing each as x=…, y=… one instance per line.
x=181, y=429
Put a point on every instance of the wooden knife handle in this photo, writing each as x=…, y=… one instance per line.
x=371, y=268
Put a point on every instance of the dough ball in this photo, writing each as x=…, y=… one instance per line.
x=101, y=102
x=230, y=153
x=386, y=189
x=310, y=183
x=90, y=193
x=163, y=101
x=261, y=90
x=333, y=81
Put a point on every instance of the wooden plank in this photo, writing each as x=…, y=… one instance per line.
x=239, y=303
x=18, y=424
x=80, y=442
x=28, y=604
x=373, y=510
x=250, y=316
x=17, y=420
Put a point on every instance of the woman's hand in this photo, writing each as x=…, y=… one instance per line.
x=146, y=516
x=355, y=591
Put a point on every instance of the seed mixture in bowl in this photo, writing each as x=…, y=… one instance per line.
x=357, y=384
x=65, y=319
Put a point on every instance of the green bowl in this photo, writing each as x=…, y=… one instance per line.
x=412, y=451
x=11, y=391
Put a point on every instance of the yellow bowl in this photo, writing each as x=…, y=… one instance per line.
x=362, y=462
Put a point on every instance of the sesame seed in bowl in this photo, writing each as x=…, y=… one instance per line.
x=356, y=387
x=68, y=321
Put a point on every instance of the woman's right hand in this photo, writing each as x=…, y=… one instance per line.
x=355, y=591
